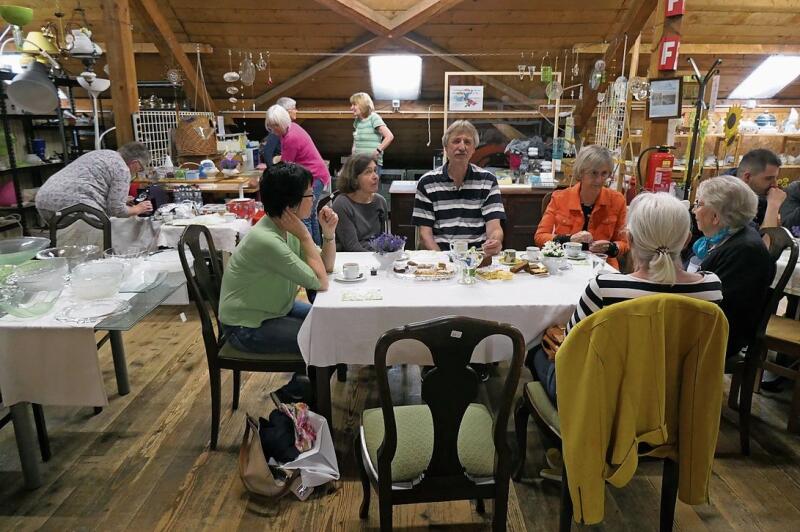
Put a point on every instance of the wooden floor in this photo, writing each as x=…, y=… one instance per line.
x=144, y=462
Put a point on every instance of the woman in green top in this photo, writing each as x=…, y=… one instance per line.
x=370, y=134
x=257, y=301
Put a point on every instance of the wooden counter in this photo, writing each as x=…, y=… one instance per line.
x=523, y=205
x=220, y=185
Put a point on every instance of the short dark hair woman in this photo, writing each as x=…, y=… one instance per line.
x=257, y=301
x=362, y=211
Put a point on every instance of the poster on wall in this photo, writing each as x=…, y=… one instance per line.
x=466, y=98
x=665, y=98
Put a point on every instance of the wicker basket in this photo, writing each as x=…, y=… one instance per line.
x=195, y=135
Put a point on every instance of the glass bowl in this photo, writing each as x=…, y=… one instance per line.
x=18, y=250
x=73, y=254
x=97, y=279
x=33, y=288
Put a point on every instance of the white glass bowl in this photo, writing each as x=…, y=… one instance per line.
x=33, y=288
x=97, y=279
x=18, y=250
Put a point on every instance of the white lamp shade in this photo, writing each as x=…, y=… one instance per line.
x=96, y=86
x=33, y=91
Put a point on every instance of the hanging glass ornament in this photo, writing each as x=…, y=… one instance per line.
x=232, y=90
x=554, y=89
x=269, y=70
x=175, y=77
x=546, y=70
x=247, y=70
x=233, y=99
x=231, y=76
x=261, y=65
x=522, y=67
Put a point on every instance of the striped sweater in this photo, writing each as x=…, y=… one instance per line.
x=458, y=213
x=610, y=288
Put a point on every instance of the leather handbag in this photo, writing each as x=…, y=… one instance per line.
x=552, y=339
x=256, y=475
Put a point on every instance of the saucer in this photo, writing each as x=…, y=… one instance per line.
x=340, y=278
x=581, y=256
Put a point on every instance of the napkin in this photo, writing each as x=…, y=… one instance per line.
x=365, y=294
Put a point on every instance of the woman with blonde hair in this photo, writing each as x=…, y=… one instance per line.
x=588, y=212
x=658, y=229
x=370, y=134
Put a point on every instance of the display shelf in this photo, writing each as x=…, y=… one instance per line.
x=26, y=205
x=31, y=167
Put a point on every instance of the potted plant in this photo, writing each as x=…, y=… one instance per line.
x=552, y=256
x=387, y=248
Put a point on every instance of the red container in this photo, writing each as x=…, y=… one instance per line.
x=242, y=207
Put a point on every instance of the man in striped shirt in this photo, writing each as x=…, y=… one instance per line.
x=459, y=201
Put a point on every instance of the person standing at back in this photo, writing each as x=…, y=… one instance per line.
x=370, y=134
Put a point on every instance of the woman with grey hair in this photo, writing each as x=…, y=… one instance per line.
x=297, y=147
x=362, y=211
x=370, y=134
x=732, y=248
x=588, y=212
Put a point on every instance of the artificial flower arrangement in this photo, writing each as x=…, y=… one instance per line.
x=387, y=243
x=552, y=249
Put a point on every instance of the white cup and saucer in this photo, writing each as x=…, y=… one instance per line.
x=574, y=250
x=350, y=273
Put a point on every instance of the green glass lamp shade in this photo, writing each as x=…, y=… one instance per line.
x=16, y=15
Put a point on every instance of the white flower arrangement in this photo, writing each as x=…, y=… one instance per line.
x=552, y=249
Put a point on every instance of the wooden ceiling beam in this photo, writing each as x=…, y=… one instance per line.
x=633, y=21
x=419, y=15
x=703, y=49
x=358, y=45
x=363, y=15
x=426, y=45
x=122, y=65
x=155, y=23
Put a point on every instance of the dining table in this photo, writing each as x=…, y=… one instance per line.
x=346, y=321
x=53, y=360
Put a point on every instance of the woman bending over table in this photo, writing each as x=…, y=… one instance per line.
x=257, y=301
x=732, y=248
x=658, y=228
x=589, y=212
x=362, y=211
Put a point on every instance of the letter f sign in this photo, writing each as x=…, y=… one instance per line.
x=668, y=53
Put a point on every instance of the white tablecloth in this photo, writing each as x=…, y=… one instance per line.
x=226, y=235
x=337, y=331
x=793, y=286
x=150, y=234
x=46, y=361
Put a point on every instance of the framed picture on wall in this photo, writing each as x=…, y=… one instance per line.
x=665, y=99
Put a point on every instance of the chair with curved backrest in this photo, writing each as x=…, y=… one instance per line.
x=693, y=331
x=546, y=201
x=204, y=280
x=326, y=200
x=92, y=216
x=746, y=367
x=448, y=448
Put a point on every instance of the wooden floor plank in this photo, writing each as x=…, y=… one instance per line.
x=144, y=462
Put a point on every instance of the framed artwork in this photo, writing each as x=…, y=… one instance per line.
x=466, y=98
x=665, y=98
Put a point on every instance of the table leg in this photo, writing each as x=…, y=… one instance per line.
x=323, y=378
x=120, y=366
x=26, y=444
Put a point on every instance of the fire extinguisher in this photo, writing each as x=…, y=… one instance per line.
x=659, y=169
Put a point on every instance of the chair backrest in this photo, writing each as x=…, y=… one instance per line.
x=778, y=240
x=326, y=200
x=546, y=201
x=448, y=389
x=204, y=280
x=92, y=216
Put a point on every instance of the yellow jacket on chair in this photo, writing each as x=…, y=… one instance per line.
x=648, y=370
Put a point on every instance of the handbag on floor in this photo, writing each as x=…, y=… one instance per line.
x=257, y=476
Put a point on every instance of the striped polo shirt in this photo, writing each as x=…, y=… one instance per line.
x=610, y=288
x=458, y=213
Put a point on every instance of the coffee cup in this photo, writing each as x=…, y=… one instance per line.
x=573, y=249
x=350, y=270
x=510, y=255
x=533, y=253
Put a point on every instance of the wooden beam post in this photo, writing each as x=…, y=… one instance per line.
x=156, y=24
x=361, y=14
x=655, y=132
x=122, y=67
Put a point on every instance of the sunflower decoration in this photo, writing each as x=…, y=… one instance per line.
x=732, y=120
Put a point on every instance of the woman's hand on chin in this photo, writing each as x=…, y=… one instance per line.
x=289, y=222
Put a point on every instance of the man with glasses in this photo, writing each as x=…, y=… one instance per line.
x=99, y=179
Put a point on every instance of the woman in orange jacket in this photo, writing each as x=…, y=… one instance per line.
x=588, y=212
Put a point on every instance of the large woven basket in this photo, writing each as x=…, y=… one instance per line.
x=195, y=135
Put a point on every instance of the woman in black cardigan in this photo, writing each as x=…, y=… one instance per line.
x=732, y=248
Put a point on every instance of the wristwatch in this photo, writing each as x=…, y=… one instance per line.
x=328, y=239
x=380, y=151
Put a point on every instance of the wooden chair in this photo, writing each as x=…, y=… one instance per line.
x=535, y=401
x=546, y=201
x=448, y=448
x=41, y=429
x=746, y=368
x=92, y=216
x=783, y=336
x=204, y=282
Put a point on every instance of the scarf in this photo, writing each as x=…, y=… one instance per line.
x=705, y=244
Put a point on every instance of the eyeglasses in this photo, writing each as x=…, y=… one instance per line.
x=698, y=203
x=308, y=195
